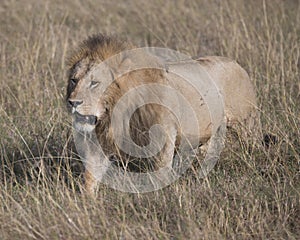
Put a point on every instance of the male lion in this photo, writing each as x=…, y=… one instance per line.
x=97, y=84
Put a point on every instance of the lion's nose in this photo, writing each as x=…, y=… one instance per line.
x=74, y=103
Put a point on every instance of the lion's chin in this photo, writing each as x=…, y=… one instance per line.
x=83, y=127
x=84, y=123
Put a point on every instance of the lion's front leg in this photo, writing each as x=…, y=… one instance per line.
x=90, y=182
x=95, y=170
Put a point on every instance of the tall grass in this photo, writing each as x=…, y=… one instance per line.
x=247, y=196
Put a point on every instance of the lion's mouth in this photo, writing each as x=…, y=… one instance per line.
x=85, y=119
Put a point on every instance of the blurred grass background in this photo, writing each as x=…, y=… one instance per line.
x=247, y=196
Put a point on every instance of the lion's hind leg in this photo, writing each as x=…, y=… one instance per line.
x=247, y=131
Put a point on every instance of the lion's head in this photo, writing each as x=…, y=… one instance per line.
x=84, y=100
x=90, y=80
x=100, y=71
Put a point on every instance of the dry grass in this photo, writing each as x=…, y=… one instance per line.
x=247, y=196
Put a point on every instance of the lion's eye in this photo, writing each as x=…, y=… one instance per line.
x=94, y=84
x=74, y=81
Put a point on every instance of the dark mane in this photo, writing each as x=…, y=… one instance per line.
x=98, y=47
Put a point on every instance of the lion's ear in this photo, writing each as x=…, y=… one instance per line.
x=125, y=66
x=121, y=66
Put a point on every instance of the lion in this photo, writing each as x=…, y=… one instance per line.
x=96, y=85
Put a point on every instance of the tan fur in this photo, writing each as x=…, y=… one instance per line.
x=231, y=79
